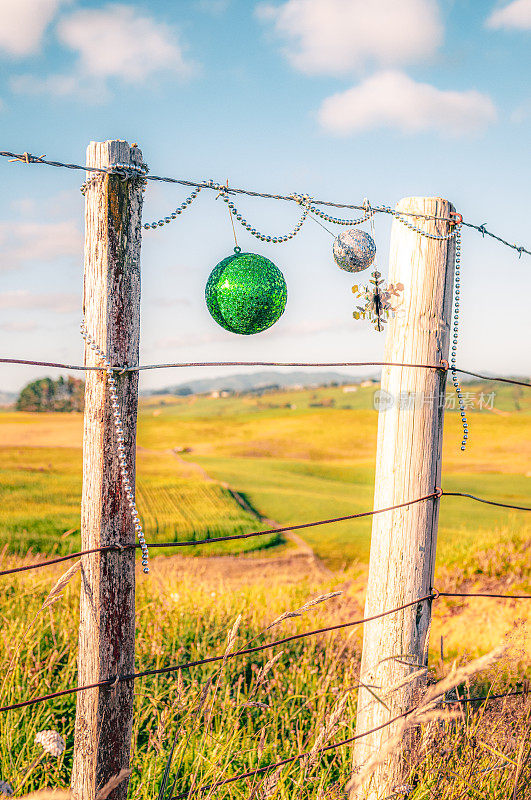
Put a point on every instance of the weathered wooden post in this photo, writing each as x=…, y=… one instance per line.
x=107, y=606
x=408, y=464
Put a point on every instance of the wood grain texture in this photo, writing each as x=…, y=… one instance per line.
x=408, y=465
x=111, y=305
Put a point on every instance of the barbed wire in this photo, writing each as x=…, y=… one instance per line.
x=310, y=364
x=119, y=548
x=335, y=745
x=484, y=232
x=133, y=171
x=113, y=681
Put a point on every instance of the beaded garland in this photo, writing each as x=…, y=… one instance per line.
x=246, y=293
x=453, y=356
x=354, y=250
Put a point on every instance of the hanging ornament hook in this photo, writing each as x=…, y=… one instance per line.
x=378, y=298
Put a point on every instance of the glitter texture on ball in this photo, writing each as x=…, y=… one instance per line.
x=246, y=293
x=354, y=250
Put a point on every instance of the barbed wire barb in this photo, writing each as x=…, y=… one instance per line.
x=127, y=171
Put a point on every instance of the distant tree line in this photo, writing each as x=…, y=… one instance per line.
x=64, y=394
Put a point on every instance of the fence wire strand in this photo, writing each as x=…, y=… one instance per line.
x=119, y=548
x=111, y=682
x=335, y=745
x=123, y=170
x=327, y=364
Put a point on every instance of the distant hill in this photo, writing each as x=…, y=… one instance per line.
x=248, y=382
x=7, y=398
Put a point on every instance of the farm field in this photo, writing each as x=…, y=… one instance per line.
x=294, y=456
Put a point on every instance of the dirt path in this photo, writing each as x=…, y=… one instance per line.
x=301, y=548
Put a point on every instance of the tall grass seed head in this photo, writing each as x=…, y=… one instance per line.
x=51, y=741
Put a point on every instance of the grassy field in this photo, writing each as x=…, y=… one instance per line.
x=40, y=490
x=295, y=456
x=228, y=720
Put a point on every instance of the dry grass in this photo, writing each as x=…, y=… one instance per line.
x=241, y=715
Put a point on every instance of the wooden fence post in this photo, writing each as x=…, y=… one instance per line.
x=408, y=465
x=107, y=606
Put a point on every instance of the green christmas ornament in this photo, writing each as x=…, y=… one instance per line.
x=246, y=293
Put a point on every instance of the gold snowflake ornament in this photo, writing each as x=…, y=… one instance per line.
x=379, y=301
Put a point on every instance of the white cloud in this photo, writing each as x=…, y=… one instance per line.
x=38, y=241
x=23, y=299
x=338, y=36
x=516, y=15
x=79, y=87
x=23, y=24
x=119, y=42
x=116, y=42
x=393, y=100
x=19, y=327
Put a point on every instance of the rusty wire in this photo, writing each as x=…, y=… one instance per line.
x=185, y=364
x=111, y=682
x=335, y=745
x=118, y=548
x=131, y=546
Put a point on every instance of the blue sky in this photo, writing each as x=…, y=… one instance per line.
x=341, y=99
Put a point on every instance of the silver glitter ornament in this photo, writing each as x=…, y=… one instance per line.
x=354, y=250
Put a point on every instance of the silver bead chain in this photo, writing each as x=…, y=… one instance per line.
x=120, y=446
x=303, y=200
x=457, y=291
x=415, y=228
x=174, y=214
x=337, y=221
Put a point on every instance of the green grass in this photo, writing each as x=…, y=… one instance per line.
x=40, y=493
x=218, y=733
x=294, y=465
x=298, y=491
x=296, y=456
